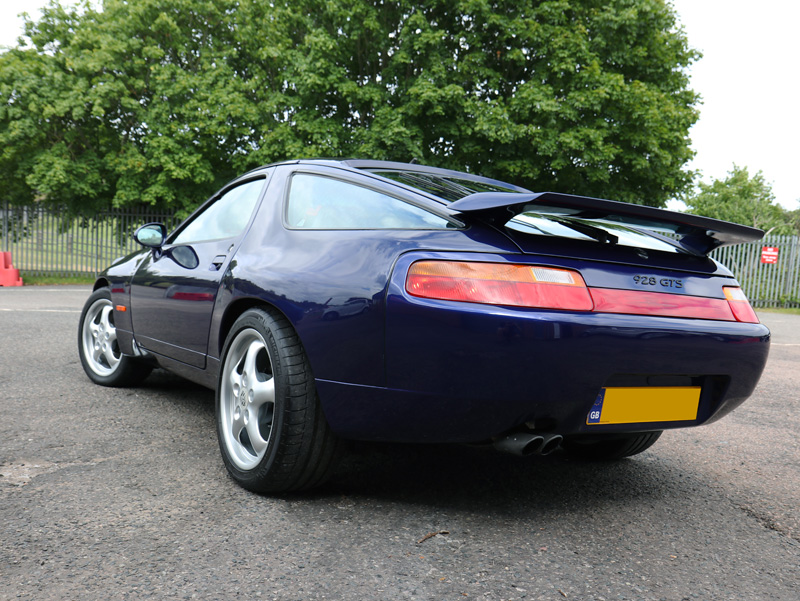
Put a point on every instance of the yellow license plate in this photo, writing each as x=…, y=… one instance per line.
x=645, y=404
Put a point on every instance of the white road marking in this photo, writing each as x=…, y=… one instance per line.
x=39, y=311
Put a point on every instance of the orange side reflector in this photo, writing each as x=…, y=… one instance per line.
x=121, y=308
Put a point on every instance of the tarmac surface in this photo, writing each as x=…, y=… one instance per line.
x=121, y=494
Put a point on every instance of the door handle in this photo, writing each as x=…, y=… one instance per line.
x=217, y=262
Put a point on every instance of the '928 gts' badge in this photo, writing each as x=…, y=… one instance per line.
x=650, y=280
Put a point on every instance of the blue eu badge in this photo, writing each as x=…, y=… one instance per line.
x=597, y=408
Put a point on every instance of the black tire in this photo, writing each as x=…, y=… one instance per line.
x=98, y=348
x=615, y=446
x=272, y=433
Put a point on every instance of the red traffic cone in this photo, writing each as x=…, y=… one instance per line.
x=8, y=275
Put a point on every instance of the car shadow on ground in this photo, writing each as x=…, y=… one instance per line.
x=483, y=480
x=472, y=478
x=177, y=388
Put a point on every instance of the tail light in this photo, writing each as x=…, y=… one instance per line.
x=555, y=288
x=499, y=284
x=638, y=302
x=739, y=304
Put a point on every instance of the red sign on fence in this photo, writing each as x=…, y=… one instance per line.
x=769, y=254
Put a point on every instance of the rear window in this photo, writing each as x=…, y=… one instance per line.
x=447, y=188
x=544, y=220
x=579, y=228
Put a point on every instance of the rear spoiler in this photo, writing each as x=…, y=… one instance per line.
x=698, y=234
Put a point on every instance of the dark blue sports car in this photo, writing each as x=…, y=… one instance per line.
x=332, y=300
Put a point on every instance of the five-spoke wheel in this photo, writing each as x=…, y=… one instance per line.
x=100, y=338
x=272, y=432
x=99, y=350
x=247, y=399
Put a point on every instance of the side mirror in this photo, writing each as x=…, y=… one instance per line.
x=151, y=235
x=184, y=256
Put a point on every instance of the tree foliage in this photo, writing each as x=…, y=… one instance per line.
x=160, y=101
x=742, y=199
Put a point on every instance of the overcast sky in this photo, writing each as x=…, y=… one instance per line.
x=749, y=78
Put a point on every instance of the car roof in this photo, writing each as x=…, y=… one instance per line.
x=361, y=165
x=699, y=234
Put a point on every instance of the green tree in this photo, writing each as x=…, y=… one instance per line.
x=742, y=199
x=123, y=104
x=160, y=101
x=794, y=218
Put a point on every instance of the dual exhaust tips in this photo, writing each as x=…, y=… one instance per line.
x=526, y=444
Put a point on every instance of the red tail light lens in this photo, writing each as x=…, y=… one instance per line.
x=636, y=302
x=554, y=288
x=739, y=304
x=499, y=284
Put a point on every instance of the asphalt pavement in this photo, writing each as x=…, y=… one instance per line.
x=121, y=494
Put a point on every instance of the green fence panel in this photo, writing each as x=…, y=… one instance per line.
x=766, y=283
x=49, y=241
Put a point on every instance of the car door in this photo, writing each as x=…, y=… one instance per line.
x=174, y=289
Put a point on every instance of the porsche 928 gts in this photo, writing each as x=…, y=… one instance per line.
x=327, y=301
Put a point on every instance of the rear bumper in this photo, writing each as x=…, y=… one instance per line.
x=458, y=372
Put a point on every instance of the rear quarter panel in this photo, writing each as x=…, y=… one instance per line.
x=331, y=284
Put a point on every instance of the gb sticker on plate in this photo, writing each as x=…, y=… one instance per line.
x=597, y=408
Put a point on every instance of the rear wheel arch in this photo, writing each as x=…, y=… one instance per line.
x=235, y=310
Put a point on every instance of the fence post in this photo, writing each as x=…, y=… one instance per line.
x=792, y=268
x=6, y=246
x=95, y=244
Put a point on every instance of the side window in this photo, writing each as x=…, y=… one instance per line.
x=323, y=203
x=225, y=218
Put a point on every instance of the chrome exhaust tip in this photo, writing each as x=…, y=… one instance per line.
x=520, y=443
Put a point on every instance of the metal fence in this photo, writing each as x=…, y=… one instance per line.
x=50, y=241
x=771, y=278
x=47, y=241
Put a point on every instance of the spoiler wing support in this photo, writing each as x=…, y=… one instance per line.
x=700, y=235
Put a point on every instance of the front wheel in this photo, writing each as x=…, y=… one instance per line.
x=98, y=347
x=272, y=433
x=614, y=446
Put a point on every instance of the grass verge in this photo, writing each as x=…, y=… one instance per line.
x=785, y=311
x=55, y=280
